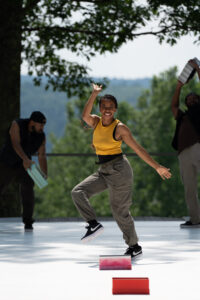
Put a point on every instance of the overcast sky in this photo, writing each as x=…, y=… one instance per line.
x=143, y=57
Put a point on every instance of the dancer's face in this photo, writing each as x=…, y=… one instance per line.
x=192, y=100
x=107, y=109
x=38, y=127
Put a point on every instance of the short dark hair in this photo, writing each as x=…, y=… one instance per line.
x=38, y=117
x=191, y=94
x=110, y=98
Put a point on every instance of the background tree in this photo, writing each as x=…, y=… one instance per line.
x=155, y=130
x=152, y=124
x=35, y=30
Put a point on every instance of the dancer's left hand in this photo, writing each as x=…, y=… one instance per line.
x=164, y=172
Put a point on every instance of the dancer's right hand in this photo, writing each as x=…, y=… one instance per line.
x=97, y=88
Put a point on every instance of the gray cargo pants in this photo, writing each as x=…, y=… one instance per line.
x=189, y=161
x=117, y=177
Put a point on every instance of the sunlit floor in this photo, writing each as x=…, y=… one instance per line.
x=52, y=264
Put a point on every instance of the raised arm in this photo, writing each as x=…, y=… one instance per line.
x=90, y=119
x=176, y=99
x=16, y=143
x=195, y=66
x=125, y=134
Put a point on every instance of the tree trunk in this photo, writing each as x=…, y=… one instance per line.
x=10, y=61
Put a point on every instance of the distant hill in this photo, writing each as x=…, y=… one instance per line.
x=127, y=90
x=53, y=104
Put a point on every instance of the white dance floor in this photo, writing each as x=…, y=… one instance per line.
x=52, y=264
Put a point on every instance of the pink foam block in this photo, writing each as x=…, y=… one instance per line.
x=130, y=286
x=115, y=262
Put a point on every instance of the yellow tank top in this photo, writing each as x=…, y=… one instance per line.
x=103, y=140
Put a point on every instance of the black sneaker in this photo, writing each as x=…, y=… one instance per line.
x=189, y=224
x=92, y=232
x=28, y=227
x=133, y=250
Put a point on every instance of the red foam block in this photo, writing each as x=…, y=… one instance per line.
x=130, y=285
x=115, y=262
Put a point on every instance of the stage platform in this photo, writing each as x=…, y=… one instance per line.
x=52, y=264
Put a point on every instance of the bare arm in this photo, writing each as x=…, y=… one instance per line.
x=16, y=143
x=176, y=99
x=198, y=72
x=127, y=137
x=90, y=119
x=42, y=158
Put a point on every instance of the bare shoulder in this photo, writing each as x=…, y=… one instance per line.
x=122, y=128
x=96, y=117
x=14, y=123
x=14, y=126
x=121, y=131
x=95, y=120
x=14, y=132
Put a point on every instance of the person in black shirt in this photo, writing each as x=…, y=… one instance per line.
x=25, y=137
x=187, y=142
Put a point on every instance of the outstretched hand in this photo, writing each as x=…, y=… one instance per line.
x=97, y=88
x=164, y=172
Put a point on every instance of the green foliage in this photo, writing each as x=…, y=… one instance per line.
x=155, y=129
x=152, y=125
x=89, y=27
x=36, y=30
x=53, y=103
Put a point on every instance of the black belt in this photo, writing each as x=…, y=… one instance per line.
x=107, y=158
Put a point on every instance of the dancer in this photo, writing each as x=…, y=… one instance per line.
x=24, y=138
x=114, y=174
x=187, y=142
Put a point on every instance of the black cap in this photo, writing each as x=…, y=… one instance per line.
x=38, y=117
